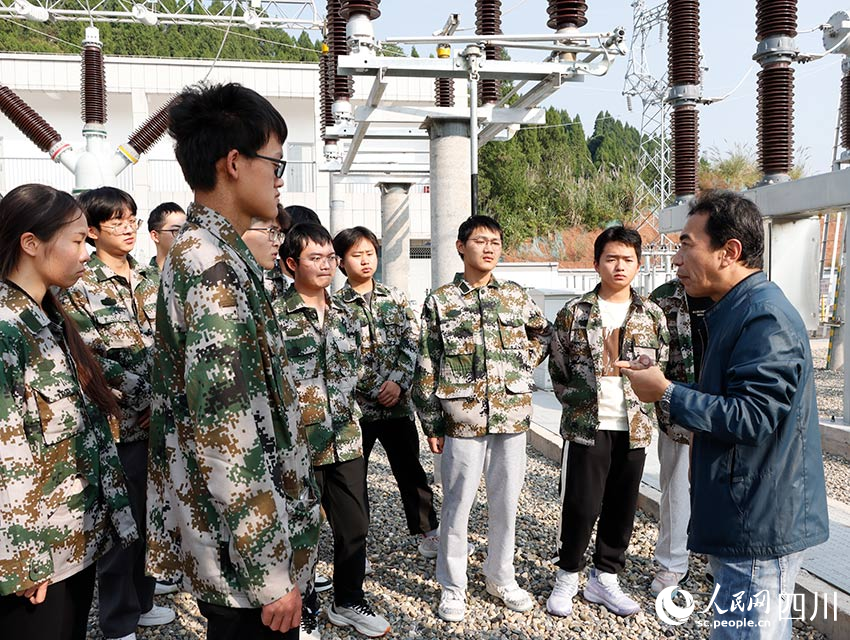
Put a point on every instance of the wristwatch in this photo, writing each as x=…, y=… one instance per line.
x=666, y=397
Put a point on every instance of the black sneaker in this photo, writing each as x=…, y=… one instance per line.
x=322, y=583
x=310, y=624
x=360, y=616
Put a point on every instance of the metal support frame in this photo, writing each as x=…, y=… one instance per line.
x=253, y=14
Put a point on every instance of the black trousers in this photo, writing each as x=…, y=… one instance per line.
x=602, y=482
x=400, y=440
x=231, y=623
x=343, y=488
x=62, y=616
x=124, y=591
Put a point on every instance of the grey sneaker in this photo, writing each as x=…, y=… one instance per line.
x=604, y=588
x=164, y=588
x=515, y=598
x=452, y=606
x=156, y=616
x=429, y=546
x=560, y=602
x=360, y=616
x=664, y=579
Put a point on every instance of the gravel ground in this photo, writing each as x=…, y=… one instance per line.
x=830, y=384
x=403, y=588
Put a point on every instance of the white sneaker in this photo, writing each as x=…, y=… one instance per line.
x=452, y=606
x=164, y=588
x=515, y=599
x=129, y=636
x=604, y=588
x=360, y=616
x=664, y=579
x=560, y=602
x=429, y=546
x=156, y=616
x=322, y=583
x=369, y=570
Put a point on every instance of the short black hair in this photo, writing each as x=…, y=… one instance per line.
x=616, y=233
x=347, y=238
x=731, y=215
x=299, y=237
x=476, y=222
x=208, y=121
x=104, y=203
x=160, y=212
x=299, y=214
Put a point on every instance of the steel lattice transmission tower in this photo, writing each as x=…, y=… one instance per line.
x=653, y=190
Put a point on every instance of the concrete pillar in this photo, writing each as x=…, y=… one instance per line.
x=450, y=193
x=395, y=234
x=451, y=202
x=336, y=224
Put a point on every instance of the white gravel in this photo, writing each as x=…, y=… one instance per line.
x=403, y=588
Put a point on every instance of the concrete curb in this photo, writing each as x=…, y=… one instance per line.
x=835, y=439
x=833, y=621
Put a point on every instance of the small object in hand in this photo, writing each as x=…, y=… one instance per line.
x=645, y=361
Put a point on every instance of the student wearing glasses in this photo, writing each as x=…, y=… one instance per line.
x=164, y=223
x=114, y=307
x=322, y=339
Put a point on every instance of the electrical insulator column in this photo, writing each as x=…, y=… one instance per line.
x=444, y=88
x=685, y=92
x=488, y=22
x=776, y=27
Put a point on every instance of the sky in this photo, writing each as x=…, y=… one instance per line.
x=727, y=41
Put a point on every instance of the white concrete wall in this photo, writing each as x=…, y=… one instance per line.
x=136, y=87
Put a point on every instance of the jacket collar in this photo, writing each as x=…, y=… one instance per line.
x=103, y=273
x=33, y=316
x=736, y=293
x=592, y=296
x=294, y=302
x=220, y=227
x=347, y=294
x=465, y=288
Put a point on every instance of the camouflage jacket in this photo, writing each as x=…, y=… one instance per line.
x=62, y=493
x=576, y=363
x=671, y=297
x=275, y=282
x=232, y=501
x=153, y=265
x=117, y=324
x=477, y=354
x=389, y=334
x=325, y=363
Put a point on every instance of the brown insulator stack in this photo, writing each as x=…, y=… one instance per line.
x=152, y=129
x=338, y=46
x=564, y=14
x=32, y=125
x=349, y=8
x=776, y=17
x=845, y=111
x=776, y=119
x=683, y=70
x=488, y=22
x=93, y=85
x=683, y=42
x=685, y=149
x=776, y=21
x=325, y=94
x=444, y=91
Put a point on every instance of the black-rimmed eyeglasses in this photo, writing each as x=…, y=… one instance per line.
x=280, y=162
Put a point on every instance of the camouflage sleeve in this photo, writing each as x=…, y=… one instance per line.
x=559, y=358
x=19, y=528
x=424, y=386
x=539, y=331
x=345, y=367
x=135, y=390
x=226, y=393
x=112, y=484
x=405, y=361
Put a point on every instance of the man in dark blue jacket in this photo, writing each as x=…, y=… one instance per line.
x=758, y=498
